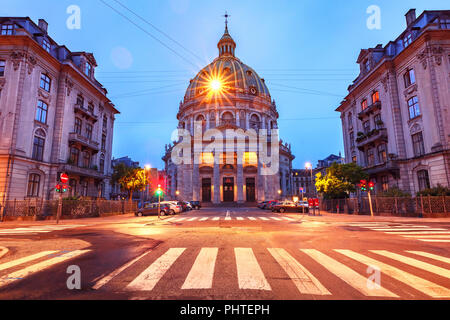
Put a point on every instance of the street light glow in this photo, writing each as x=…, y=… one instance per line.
x=308, y=165
x=147, y=167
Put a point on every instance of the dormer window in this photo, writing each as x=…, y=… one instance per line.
x=444, y=23
x=367, y=65
x=88, y=69
x=7, y=29
x=407, y=40
x=46, y=45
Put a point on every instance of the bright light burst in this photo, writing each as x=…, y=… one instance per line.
x=215, y=85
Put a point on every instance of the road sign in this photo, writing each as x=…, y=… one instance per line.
x=302, y=190
x=64, y=178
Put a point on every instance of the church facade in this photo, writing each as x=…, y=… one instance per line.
x=227, y=147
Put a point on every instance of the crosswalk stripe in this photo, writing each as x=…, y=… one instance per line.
x=227, y=218
x=404, y=226
x=192, y=219
x=264, y=218
x=348, y=275
x=429, y=236
x=409, y=229
x=216, y=218
x=23, y=260
x=180, y=219
x=100, y=283
x=240, y=218
x=289, y=219
x=23, y=231
x=415, y=263
x=429, y=288
x=204, y=219
x=433, y=240
x=202, y=272
x=250, y=275
x=252, y=218
x=420, y=232
x=18, y=275
x=275, y=218
x=148, y=279
x=305, y=282
x=431, y=256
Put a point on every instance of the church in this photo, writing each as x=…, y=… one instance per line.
x=228, y=97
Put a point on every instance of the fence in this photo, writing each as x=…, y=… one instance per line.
x=405, y=206
x=71, y=209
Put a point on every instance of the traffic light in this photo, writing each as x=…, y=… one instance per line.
x=64, y=189
x=363, y=185
x=371, y=185
x=159, y=191
x=58, y=188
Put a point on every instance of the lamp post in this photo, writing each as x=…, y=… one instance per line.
x=147, y=169
x=308, y=166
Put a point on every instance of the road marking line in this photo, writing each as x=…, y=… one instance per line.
x=420, y=232
x=252, y=218
x=180, y=219
x=409, y=229
x=204, y=219
x=348, y=275
x=438, y=236
x=227, y=218
x=119, y=270
x=264, y=218
x=240, y=218
x=275, y=218
x=192, y=219
x=250, y=275
x=23, y=273
x=305, y=282
x=148, y=279
x=216, y=218
x=290, y=219
x=405, y=226
x=24, y=232
x=431, y=256
x=415, y=263
x=202, y=272
x=17, y=262
x=425, y=286
x=433, y=240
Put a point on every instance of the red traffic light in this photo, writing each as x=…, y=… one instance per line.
x=371, y=184
x=58, y=188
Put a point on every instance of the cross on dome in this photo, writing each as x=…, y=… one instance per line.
x=226, y=44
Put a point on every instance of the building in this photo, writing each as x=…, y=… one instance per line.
x=302, y=180
x=126, y=161
x=323, y=165
x=54, y=116
x=395, y=118
x=229, y=96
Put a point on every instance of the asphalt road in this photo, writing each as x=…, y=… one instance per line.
x=242, y=254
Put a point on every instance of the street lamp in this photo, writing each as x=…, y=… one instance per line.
x=308, y=166
x=147, y=169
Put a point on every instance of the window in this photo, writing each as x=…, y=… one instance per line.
x=409, y=77
x=84, y=188
x=366, y=126
x=407, y=40
x=102, y=163
x=382, y=154
x=78, y=126
x=45, y=82
x=384, y=183
x=103, y=142
x=105, y=123
x=80, y=101
x=38, y=147
x=7, y=30
x=34, y=182
x=73, y=187
x=41, y=112
x=352, y=139
x=367, y=65
x=350, y=121
x=88, y=69
x=370, y=157
x=46, y=45
x=2, y=68
x=364, y=105
x=354, y=159
x=414, y=108
x=74, y=156
x=91, y=108
x=375, y=97
x=423, y=179
x=378, y=122
x=418, y=145
x=86, y=159
x=444, y=23
x=88, y=131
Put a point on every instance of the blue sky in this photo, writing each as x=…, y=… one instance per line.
x=294, y=45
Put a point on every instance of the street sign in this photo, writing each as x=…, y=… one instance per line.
x=64, y=178
x=302, y=190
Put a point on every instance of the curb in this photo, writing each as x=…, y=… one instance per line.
x=3, y=251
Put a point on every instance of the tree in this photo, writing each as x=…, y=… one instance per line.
x=340, y=180
x=133, y=180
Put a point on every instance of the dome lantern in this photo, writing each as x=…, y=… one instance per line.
x=226, y=44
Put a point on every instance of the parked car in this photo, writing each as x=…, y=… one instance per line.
x=188, y=205
x=183, y=206
x=195, y=204
x=270, y=204
x=150, y=209
x=262, y=205
x=173, y=205
x=287, y=206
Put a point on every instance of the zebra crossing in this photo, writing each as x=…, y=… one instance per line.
x=250, y=274
x=38, y=229
x=409, y=231
x=228, y=218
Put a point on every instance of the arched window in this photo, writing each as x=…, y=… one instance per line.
x=34, y=183
x=242, y=119
x=200, y=120
x=41, y=112
x=212, y=119
x=255, y=122
x=38, y=145
x=228, y=118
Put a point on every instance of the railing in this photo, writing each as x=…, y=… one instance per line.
x=75, y=137
x=370, y=109
x=421, y=206
x=38, y=209
x=85, y=112
x=372, y=136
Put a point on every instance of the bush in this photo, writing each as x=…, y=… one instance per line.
x=436, y=191
x=394, y=192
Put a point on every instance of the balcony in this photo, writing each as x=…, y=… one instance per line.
x=85, y=113
x=371, y=137
x=369, y=110
x=80, y=171
x=75, y=138
x=390, y=166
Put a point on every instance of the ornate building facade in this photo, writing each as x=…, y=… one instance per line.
x=54, y=116
x=229, y=96
x=396, y=117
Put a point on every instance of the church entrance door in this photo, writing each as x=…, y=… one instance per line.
x=206, y=190
x=250, y=189
x=228, y=189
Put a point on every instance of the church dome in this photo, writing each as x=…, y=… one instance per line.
x=227, y=74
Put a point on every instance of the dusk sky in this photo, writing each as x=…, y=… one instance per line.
x=305, y=50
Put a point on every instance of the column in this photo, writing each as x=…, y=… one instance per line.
x=237, y=118
x=216, y=182
x=196, y=182
x=261, y=195
x=173, y=186
x=207, y=121
x=240, y=179
x=283, y=183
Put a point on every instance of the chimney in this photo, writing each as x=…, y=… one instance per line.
x=43, y=25
x=410, y=17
